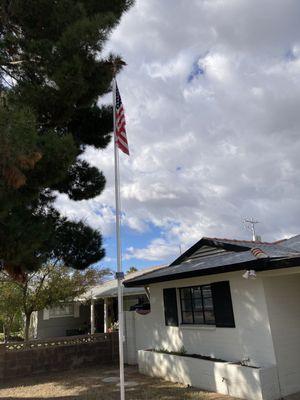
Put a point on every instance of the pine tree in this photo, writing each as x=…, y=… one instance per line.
x=51, y=76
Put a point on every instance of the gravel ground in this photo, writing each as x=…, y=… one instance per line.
x=100, y=384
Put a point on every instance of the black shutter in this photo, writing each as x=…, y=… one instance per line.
x=170, y=304
x=222, y=304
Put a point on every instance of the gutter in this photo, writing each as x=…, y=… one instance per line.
x=263, y=264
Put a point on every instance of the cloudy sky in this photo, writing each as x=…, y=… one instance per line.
x=212, y=98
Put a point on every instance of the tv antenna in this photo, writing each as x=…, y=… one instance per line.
x=180, y=249
x=249, y=224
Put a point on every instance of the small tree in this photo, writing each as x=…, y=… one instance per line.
x=131, y=269
x=50, y=287
x=10, y=312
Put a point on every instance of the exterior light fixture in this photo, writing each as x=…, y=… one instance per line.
x=249, y=274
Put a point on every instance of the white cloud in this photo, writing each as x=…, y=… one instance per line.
x=157, y=250
x=217, y=67
x=206, y=151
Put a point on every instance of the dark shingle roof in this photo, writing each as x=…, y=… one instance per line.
x=239, y=255
x=291, y=243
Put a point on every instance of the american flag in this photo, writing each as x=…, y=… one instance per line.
x=121, y=138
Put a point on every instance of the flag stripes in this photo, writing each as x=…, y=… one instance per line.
x=120, y=134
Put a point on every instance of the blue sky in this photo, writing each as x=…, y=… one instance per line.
x=212, y=108
x=140, y=240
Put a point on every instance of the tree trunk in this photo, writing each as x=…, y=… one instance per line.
x=6, y=332
x=27, y=326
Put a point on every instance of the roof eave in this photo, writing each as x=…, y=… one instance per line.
x=190, y=274
x=258, y=265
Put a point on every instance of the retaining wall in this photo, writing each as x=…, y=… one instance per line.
x=221, y=377
x=37, y=357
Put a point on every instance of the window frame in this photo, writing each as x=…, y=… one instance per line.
x=180, y=289
x=53, y=310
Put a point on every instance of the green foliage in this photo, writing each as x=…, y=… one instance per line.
x=48, y=287
x=44, y=236
x=83, y=250
x=82, y=181
x=52, y=285
x=181, y=352
x=19, y=151
x=10, y=311
x=131, y=269
x=51, y=76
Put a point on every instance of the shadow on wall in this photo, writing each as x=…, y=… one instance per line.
x=251, y=339
x=255, y=334
x=216, y=376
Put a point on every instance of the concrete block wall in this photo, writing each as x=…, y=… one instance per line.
x=34, y=361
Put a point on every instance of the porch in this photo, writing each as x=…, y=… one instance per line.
x=89, y=315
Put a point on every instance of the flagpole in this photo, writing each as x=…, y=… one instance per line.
x=119, y=274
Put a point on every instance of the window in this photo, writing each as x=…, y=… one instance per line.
x=66, y=310
x=206, y=304
x=197, y=305
x=170, y=305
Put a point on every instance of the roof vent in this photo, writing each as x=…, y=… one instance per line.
x=258, y=253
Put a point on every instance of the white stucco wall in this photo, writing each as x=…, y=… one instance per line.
x=130, y=350
x=226, y=378
x=283, y=300
x=251, y=338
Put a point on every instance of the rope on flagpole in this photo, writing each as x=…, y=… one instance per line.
x=119, y=274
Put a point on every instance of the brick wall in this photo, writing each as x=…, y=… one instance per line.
x=57, y=357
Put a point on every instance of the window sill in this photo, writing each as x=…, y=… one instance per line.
x=202, y=327
x=61, y=316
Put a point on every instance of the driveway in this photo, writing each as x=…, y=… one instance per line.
x=100, y=384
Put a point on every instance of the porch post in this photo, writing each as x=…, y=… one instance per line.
x=92, y=316
x=105, y=315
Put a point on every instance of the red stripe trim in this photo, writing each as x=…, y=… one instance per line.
x=122, y=135
x=123, y=148
x=123, y=142
x=119, y=111
x=121, y=128
x=121, y=120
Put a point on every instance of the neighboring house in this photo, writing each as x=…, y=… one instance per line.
x=203, y=304
x=95, y=312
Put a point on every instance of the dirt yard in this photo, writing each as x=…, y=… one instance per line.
x=100, y=384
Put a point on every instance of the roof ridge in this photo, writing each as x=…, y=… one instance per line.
x=238, y=240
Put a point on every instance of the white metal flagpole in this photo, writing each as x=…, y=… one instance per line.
x=119, y=274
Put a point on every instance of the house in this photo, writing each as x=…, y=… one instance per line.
x=95, y=312
x=235, y=305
